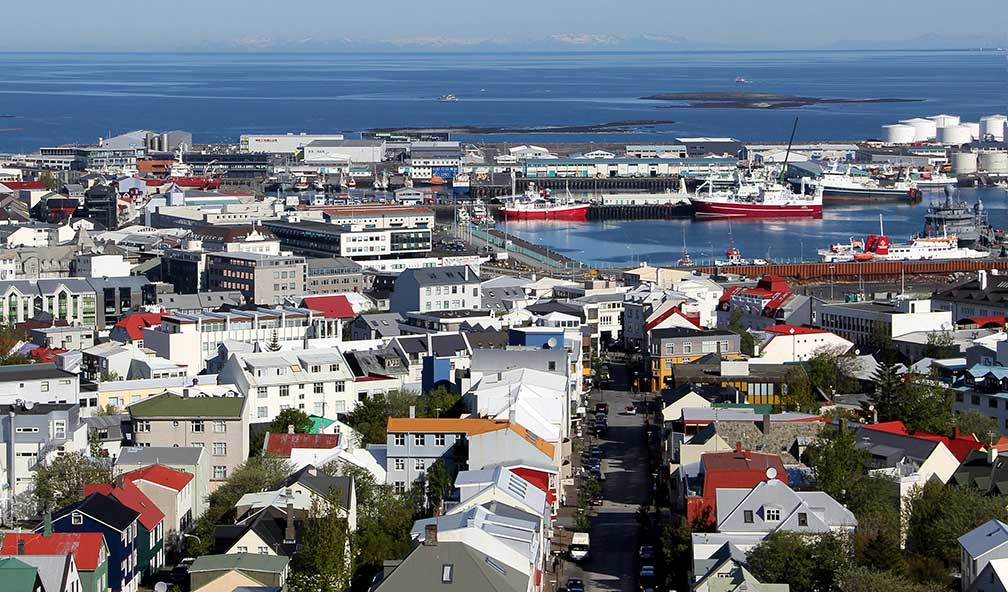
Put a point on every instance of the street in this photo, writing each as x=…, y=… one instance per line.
x=612, y=561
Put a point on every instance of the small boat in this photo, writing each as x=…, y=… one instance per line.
x=448, y=98
x=318, y=185
x=741, y=80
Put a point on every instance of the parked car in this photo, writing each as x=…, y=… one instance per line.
x=646, y=578
x=575, y=585
x=646, y=554
x=602, y=408
x=630, y=410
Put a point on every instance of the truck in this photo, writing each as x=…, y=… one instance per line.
x=579, y=546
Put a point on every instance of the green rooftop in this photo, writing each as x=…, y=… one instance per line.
x=17, y=576
x=172, y=405
x=319, y=423
x=240, y=561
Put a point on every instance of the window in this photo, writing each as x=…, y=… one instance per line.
x=399, y=439
x=992, y=403
x=44, y=387
x=263, y=550
x=219, y=472
x=284, y=390
x=261, y=392
x=772, y=514
x=262, y=412
x=400, y=464
x=197, y=426
x=220, y=448
x=319, y=388
x=219, y=427
x=340, y=386
x=77, y=518
x=439, y=439
x=802, y=519
x=242, y=549
x=59, y=428
x=747, y=516
x=418, y=464
x=143, y=426
x=551, y=366
x=418, y=439
x=400, y=486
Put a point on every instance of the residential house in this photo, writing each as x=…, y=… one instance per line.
x=317, y=381
x=679, y=345
x=18, y=576
x=772, y=506
x=118, y=523
x=39, y=384
x=217, y=423
x=984, y=389
x=150, y=548
x=268, y=531
x=375, y=326
x=429, y=289
x=57, y=572
x=171, y=491
x=318, y=484
x=780, y=344
x=738, y=468
x=770, y=302
x=980, y=547
x=194, y=460
x=239, y=571
x=89, y=550
x=108, y=432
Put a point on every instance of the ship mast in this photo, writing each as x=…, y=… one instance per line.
x=787, y=154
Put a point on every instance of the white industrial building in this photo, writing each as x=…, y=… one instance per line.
x=281, y=143
x=357, y=151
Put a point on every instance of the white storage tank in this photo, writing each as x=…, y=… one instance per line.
x=898, y=133
x=964, y=163
x=994, y=161
x=945, y=120
x=974, y=128
x=954, y=135
x=993, y=126
x=924, y=129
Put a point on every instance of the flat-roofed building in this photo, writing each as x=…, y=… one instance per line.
x=260, y=277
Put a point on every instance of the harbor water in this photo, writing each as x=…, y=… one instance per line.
x=624, y=243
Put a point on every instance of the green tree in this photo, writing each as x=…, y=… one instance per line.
x=324, y=561
x=983, y=427
x=807, y=563
x=926, y=405
x=865, y=579
x=441, y=402
x=936, y=516
x=439, y=482
x=291, y=417
x=255, y=474
x=274, y=343
x=837, y=464
x=797, y=395
x=940, y=345
x=370, y=417
x=50, y=180
x=61, y=481
x=887, y=393
x=10, y=340
x=677, y=548
x=747, y=341
x=384, y=520
x=829, y=369
x=882, y=553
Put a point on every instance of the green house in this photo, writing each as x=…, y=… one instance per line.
x=18, y=576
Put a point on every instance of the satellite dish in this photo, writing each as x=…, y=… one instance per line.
x=771, y=473
x=160, y=587
x=551, y=342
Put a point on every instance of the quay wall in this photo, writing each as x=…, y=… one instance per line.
x=849, y=271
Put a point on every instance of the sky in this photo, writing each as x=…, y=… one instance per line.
x=465, y=25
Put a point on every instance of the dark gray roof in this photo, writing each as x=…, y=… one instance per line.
x=320, y=483
x=447, y=345
x=36, y=408
x=442, y=276
x=32, y=372
x=489, y=339
x=385, y=324
x=421, y=571
x=103, y=508
x=891, y=448
x=413, y=344
x=679, y=332
x=549, y=306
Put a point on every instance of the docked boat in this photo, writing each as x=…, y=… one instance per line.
x=878, y=247
x=755, y=199
x=935, y=180
x=460, y=184
x=540, y=205
x=968, y=223
x=843, y=184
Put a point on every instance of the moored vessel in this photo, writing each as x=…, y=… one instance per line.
x=880, y=247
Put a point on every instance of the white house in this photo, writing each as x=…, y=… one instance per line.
x=787, y=343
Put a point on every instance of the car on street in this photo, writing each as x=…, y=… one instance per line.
x=602, y=408
x=646, y=554
x=630, y=410
x=575, y=585
x=646, y=577
x=601, y=430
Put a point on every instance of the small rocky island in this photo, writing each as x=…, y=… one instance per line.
x=756, y=100
x=626, y=126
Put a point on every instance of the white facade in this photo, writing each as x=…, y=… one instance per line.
x=99, y=266
x=800, y=346
x=317, y=381
x=280, y=143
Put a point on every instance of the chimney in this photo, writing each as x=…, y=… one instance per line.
x=738, y=448
x=982, y=276
x=430, y=535
x=47, y=524
x=992, y=454
x=289, y=535
x=312, y=471
x=766, y=424
x=955, y=433
x=412, y=411
x=290, y=428
x=21, y=546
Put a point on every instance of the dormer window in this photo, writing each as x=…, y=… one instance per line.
x=771, y=514
x=76, y=518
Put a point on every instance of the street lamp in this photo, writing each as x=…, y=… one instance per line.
x=794, y=358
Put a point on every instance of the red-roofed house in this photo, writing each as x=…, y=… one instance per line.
x=45, y=355
x=789, y=343
x=959, y=445
x=171, y=491
x=89, y=551
x=150, y=536
x=333, y=307
x=130, y=328
x=283, y=445
x=771, y=302
x=990, y=322
x=740, y=468
x=12, y=186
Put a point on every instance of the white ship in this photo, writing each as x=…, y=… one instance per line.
x=878, y=247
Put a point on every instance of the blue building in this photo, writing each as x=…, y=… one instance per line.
x=118, y=523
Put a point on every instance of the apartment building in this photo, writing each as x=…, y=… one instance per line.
x=359, y=243
x=261, y=278
x=865, y=322
x=217, y=423
x=38, y=383
x=325, y=275
x=318, y=382
x=433, y=289
x=679, y=345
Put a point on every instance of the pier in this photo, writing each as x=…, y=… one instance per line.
x=852, y=271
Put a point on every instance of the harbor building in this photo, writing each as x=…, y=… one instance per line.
x=357, y=151
x=653, y=151
x=627, y=167
x=434, y=162
x=291, y=144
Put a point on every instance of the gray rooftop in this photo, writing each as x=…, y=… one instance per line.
x=165, y=455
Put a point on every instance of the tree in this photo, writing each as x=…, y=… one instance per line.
x=936, y=516
x=255, y=474
x=926, y=406
x=274, y=343
x=384, y=520
x=807, y=563
x=61, y=481
x=441, y=402
x=677, y=548
x=291, y=417
x=324, y=561
x=984, y=428
x=829, y=369
x=107, y=376
x=50, y=180
x=882, y=553
x=864, y=579
x=837, y=464
x=747, y=342
x=797, y=395
x=439, y=482
x=940, y=345
x=888, y=388
x=10, y=340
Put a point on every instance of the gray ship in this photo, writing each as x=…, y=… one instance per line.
x=952, y=218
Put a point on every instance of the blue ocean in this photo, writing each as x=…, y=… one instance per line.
x=53, y=98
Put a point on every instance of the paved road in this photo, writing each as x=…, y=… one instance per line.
x=612, y=564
